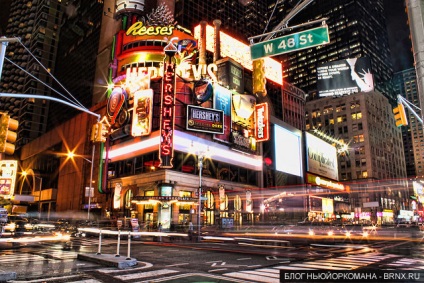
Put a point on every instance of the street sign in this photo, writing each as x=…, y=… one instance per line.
x=292, y=42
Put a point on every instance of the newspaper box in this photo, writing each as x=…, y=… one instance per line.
x=135, y=227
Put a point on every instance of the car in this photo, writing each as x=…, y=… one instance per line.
x=17, y=225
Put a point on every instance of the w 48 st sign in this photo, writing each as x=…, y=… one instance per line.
x=292, y=42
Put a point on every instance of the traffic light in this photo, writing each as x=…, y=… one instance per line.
x=103, y=132
x=400, y=115
x=8, y=136
x=94, y=132
x=99, y=132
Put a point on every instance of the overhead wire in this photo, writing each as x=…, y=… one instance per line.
x=33, y=56
x=34, y=77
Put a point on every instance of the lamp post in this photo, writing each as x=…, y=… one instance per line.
x=39, y=195
x=202, y=154
x=71, y=155
x=199, y=210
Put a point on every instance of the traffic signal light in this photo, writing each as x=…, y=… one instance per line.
x=102, y=132
x=99, y=132
x=94, y=132
x=8, y=136
x=400, y=115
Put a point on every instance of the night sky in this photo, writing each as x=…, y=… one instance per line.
x=397, y=26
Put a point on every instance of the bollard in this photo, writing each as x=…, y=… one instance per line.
x=100, y=243
x=129, y=246
x=118, y=244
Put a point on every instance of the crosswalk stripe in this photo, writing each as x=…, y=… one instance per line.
x=140, y=275
x=318, y=266
x=252, y=278
x=288, y=267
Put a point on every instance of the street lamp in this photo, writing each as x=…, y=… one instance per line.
x=39, y=195
x=31, y=172
x=201, y=155
x=71, y=156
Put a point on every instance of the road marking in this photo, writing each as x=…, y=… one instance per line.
x=178, y=264
x=215, y=263
x=213, y=270
x=146, y=274
x=244, y=258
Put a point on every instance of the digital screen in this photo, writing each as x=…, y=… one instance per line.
x=288, y=154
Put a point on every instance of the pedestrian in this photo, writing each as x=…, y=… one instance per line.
x=190, y=230
x=160, y=230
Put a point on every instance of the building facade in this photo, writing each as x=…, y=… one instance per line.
x=356, y=28
x=405, y=84
x=364, y=123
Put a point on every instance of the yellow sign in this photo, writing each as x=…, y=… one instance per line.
x=139, y=29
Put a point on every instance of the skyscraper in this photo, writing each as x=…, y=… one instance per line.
x=405, y=84
x=357, y=29
x=37, y=24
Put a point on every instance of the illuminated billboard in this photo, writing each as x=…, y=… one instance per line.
x=240, y=52
x=8, y=171
x=344, y=77
x=321, y=157
x=288, y=153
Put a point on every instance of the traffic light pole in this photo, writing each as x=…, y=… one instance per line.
x=35, y=96
x=406, y=103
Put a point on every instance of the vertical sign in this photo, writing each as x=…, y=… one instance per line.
x=222, y=202
x=8, y=171
x=248, y=201
x=262, y=122
x=117, y=196
x=166, y=147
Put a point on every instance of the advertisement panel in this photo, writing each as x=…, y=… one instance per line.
x=288, y=154
x=321, y=157
x=261, y=122
x=142, y=113
x=8, y=171
x=222, y=101
x=344, y=77
x=205, y=120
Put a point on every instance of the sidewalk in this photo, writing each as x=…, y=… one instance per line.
x=118, y=261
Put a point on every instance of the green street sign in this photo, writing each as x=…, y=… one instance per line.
x=291, y=42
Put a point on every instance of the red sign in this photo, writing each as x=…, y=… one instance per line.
x=262, y=122
x=166, y=148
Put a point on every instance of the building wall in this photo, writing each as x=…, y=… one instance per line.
x=415, y=10
x=375, y=143
x=405, y=84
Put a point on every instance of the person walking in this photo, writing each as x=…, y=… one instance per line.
x=190, y=231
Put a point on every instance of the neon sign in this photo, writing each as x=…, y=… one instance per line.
x=262, y=122
x=138, y=29
x=166, y=147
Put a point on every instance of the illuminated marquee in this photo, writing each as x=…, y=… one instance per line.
x=262, y=122
x=325, y=183
x=166, y=147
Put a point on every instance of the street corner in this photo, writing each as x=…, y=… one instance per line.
x=7, y=276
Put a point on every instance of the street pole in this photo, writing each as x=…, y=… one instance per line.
x=39, y=196
x=199, y=210
x=91, y=181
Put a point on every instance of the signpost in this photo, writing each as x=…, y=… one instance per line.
x=292, y=42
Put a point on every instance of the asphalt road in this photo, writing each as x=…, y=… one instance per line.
x=211, y=261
